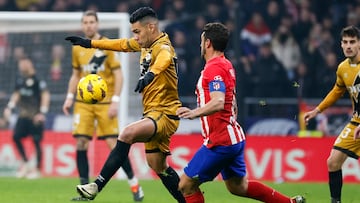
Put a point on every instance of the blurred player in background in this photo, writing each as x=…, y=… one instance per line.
x=103, y=115
x=347, y=143
x=158, y=85
x=32, y=99
x=224, y=139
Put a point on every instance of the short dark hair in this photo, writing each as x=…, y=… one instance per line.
x=218, y=34
x=350, y=31
x=90, y=13
x=141, y=13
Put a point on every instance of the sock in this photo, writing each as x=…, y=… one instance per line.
x=82, y=166
x=261, y=192
x=170, y=180
x=128, y=169
x=197, y=197
x=114, y=161
x=38, y=154
x=20, y=149
x=335, y=184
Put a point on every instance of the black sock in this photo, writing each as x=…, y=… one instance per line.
x=335, y=184
x=171, y=181
x=128, y=169
x=82, y=166
x=20, y=149
x=114, y=161
x=38, y=154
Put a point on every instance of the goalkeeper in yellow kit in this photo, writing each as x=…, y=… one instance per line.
x=158, y=85
x=105, y=64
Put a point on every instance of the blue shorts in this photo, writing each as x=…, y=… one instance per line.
x=208, y=163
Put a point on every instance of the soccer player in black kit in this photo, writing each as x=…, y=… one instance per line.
x=31, y=98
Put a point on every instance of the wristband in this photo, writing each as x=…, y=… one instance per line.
x=115, y=98
x=44, y=109
x=11, y=105
x=70, y=95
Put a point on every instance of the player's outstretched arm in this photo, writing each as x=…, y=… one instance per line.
x=76, y=40
x=311, y=114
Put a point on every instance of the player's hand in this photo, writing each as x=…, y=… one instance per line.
x=113, y=110
x=39, y=118
x=311, y=114
x=184, y=112
x=357, y=132
x=75, y=40
x=67, y=105
x=7, y=113
x=144, y=81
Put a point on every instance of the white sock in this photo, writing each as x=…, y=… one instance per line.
x=133, y=181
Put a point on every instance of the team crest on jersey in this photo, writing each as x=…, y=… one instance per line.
x=216, y=85
x=29, y=82
x=354, y=91
x=145, y=64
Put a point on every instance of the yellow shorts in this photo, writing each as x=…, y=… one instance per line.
x=345, y=141
x=166, y=126
x=88, y=117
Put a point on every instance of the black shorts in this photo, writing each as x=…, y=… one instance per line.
x=25, y=127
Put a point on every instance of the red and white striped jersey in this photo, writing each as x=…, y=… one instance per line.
x=220, y=128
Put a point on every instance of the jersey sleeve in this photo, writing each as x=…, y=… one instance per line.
x=123, y=45
x=335, y=93
x=163, y=58
x=215, y=79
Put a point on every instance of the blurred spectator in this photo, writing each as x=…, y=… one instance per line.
x=57, y=53
x=183, y=57
x=304, y=82
x=273, y=15
x=269, y=76
x=327, y=74
x=214, y=12
x=310, y=49
x=302, y=27
x=286, y=50
x=254, y=34
x=8, y=5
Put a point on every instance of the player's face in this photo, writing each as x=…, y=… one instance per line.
x=142, y=33
x=25, y=67
x=89, y=26
x=350, y=46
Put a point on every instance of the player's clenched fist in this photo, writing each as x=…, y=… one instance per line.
x=75, y=40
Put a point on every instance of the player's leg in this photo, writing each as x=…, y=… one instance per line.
x=204, y=166
x=334, y=164
x=20, y=131
x=136, y=189
x=83, y=122
x=236, y=181
x=139, y=131
x=344, y=147
x=159, y=148
x=168, y=176
x=108, y=129
x=37, y=135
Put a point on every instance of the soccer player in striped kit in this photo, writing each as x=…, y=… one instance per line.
x=224, y=140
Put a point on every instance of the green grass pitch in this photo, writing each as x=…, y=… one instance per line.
x=61, y=190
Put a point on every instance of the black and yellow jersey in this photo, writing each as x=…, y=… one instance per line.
x=347, y=79
x=160, y=58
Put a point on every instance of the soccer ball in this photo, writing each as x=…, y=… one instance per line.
x=92, y=89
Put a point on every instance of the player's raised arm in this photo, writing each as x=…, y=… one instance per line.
x=123, y=45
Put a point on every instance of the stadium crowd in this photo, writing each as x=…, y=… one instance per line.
x=280, y=49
